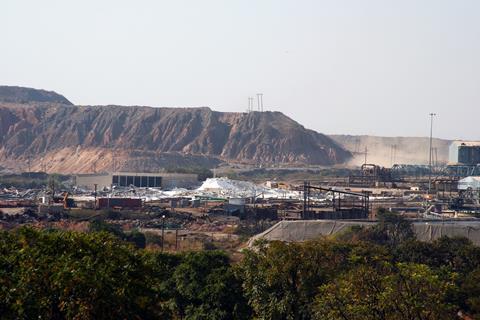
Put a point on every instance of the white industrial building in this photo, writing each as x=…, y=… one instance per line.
x=141, y=180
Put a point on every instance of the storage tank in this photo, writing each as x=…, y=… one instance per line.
x=469, y=154
x=464, y=152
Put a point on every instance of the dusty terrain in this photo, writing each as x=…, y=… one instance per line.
x=386, y=151
x=87, y=138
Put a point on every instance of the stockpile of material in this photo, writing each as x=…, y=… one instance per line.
x=212, y=187
x=231, y=188
x=241, y=189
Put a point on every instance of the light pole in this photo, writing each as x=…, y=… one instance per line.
x=95, y=196
x=430, y=154
x=163, y=229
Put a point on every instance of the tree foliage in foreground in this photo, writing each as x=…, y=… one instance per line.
x=378, y=273
x=392, y=291
x=70, y=275
x=57, y=275
x=280, y=280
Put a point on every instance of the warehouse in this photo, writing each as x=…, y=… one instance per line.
x=136, y=179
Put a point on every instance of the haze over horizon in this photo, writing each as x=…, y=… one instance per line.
x=338, y=67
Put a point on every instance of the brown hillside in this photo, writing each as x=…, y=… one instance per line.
x=69, y=138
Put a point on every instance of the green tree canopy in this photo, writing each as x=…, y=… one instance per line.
x=393, y=292
x=57, y=275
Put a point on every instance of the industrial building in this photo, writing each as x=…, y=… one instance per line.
x=469, y=183
x=141, y=180
x=464, y=152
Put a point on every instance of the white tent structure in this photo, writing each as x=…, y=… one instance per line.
x=469, y=183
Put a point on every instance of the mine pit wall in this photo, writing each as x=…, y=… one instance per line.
x=296, y=231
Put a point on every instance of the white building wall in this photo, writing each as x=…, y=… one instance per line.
x=179, y=180
x=88, y=181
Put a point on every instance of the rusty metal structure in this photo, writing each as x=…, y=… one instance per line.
x=370, y=176
x=343, y=205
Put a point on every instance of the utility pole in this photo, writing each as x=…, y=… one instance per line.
x=29, y=157
x=163, y=231
x=176, y=239
x=260, y=102
x=393, y=154
x=306, y=199
x=95, y=196
x=250, y=104
x=430, y=154
x=109, y=196
x=44, y=135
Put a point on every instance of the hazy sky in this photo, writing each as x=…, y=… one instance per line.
x=352, y=67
